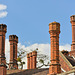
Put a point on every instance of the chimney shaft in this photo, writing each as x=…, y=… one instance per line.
x=31, y=60
x=54, y=30
x=3, y=30
x=72, y=20
x=34, y=56
x=13, y=39
x=28, y=61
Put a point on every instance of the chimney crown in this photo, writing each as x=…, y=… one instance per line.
x=34, y=53
x=54, y=26
x=27, y=55
x=3, y=28
x=30, y=54
x=13, y=38
x=72, y=18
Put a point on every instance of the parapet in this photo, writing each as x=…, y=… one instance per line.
x=72, y=18
x=13, y=38
x=3, y=28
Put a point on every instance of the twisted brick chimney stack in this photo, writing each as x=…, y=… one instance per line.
x=13, y=39
x=3, y=30
x=54, y=30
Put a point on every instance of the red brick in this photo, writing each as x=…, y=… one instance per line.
x=54, y=30
x=3, y=30
x=13, y=39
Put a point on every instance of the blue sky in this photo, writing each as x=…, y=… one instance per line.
x=29, y=19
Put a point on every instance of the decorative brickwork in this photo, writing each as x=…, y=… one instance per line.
x=13, y=39
x=31, y=60
x=54, y=30
x=3, y=30
x=64, y=62
x=72, y=20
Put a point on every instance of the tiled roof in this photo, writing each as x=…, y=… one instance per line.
x=42, y=71
x=71, y=60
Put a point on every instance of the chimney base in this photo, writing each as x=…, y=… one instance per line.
x=2, y=69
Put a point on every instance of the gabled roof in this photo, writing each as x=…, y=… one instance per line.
x=71, y=60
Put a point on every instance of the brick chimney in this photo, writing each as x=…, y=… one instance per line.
x=28, y=61
x=54, y=30
x=31, y=60
x=13, y=39
x=3, y=30
x=34, y=56
x=72, y=20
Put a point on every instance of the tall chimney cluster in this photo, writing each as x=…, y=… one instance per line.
x=54, y=30
x=31, y=60
x=13, y=39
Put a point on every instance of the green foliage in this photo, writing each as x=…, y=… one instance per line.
x=41, y=61
x=19, y=59
x=41, y=58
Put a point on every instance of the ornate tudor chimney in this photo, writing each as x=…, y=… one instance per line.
x=13, y=39
x=3, y=30
x=72, y=20
x=31, y=60
x=54, y=30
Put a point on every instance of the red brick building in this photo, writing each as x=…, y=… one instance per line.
x=62, y=62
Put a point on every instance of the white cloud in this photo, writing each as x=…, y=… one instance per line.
x=3, y=7
x=7, y=50
x=42, y=48
x=65, y=47
x=3, y=14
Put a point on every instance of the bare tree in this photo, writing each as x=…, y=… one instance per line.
x=42, y=59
